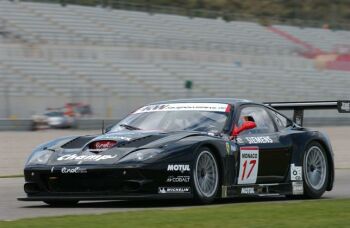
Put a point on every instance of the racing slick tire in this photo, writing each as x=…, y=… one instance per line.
x=61, y=203
x=315, y=171
x=206, y=177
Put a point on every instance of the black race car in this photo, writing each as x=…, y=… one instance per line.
x=193, y=148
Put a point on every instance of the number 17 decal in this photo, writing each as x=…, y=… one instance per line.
x=249, y=163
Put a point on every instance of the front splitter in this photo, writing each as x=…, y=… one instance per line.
x=109, y=197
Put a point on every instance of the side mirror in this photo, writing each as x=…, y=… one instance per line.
x=247, y=125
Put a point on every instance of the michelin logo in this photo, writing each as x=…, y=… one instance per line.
x=163, y=190
x=178, y=167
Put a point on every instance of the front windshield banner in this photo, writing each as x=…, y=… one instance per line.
x=211, y=107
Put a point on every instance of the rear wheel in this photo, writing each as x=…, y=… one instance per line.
x=61, y=203
x=315, y=171
x=205, y=176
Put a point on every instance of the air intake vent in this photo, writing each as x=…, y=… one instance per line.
x=78, y=142
x=102, y=145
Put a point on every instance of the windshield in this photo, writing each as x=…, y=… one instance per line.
x=208, y=117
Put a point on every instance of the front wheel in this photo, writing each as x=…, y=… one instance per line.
x=206, y=176
x=315, y=171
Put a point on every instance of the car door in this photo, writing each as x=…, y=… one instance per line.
x=264, y=150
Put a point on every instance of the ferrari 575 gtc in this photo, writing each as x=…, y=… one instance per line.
x=199, y=149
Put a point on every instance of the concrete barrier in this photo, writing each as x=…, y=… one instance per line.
x=26, y=124
x=15, y=125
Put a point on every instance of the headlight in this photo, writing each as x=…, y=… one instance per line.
x=39, y=157
x=141, y=155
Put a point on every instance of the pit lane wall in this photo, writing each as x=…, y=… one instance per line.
x=27, y=124
x=95, y=124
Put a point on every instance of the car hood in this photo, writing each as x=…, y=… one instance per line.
x=75, y=151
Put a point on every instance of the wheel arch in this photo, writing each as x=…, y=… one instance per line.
x=218, y=157
x=329, y=161
x=308, y=137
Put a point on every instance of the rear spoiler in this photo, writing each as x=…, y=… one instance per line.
x=343, y=106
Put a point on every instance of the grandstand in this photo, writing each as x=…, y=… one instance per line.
x=121, y=59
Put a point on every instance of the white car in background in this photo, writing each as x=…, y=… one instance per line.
x=53, y=119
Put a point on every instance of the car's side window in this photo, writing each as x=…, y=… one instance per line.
x=281, y=121
x=259, y=115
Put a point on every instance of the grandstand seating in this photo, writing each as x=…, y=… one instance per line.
x=76, y=51
x=37, y=23
x=324, y=39
x=126, y=78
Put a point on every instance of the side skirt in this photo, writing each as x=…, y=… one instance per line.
x=273, y=189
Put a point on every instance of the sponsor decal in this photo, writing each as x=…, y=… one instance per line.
x=298, y=188
x=178, y=167
x=178, y=179
x=113, y=137
x=104, y=145
x=73, y=170
x=228, y=148
x=71, y=157
x=212, y=107
x=249, y=163
x=162, y=190
x=261, y=139
x=52, y=169
x=223, y=191
x=345, y=106
x=247, y=191
x=296, y=173
x=239, y=140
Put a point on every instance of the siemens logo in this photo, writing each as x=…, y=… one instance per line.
x=261, y=139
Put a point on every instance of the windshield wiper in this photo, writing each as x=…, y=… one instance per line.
x=129, y=127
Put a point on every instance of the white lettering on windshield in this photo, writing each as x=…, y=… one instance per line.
x=212, y=107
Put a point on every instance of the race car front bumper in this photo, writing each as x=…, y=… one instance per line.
x=99, y=183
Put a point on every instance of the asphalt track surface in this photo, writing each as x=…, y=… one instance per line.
x=11, y=209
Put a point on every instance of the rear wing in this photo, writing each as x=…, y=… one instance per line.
x=343, y=106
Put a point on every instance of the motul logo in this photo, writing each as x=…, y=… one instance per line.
x=181, y=168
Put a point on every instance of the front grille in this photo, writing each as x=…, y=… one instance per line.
x=97, y=181
x=83, y=182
